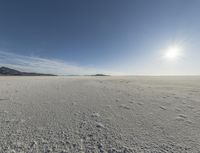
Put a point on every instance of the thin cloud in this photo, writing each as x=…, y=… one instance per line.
x=43, y=65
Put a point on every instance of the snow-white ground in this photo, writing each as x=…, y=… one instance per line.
x=100, y=114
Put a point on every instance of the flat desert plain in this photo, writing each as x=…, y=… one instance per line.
x=100, y=114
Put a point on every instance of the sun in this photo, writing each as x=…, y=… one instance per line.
x=172, y=52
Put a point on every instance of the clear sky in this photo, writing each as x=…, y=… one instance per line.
x=101, y=36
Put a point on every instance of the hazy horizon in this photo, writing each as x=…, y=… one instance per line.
x=110, y=37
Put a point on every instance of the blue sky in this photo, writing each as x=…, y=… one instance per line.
x=106, y=36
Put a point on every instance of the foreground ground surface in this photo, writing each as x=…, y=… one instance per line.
x=100, y=114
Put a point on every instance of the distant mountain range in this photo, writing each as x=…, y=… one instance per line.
x=5, y=71
x=100, y=75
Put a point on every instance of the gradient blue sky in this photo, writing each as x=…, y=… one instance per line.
x=105, y=36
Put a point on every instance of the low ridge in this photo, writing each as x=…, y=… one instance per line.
x=11, y=72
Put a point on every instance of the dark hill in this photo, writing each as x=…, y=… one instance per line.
x=11, y=72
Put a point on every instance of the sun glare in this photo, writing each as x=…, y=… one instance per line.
x=172, y=53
